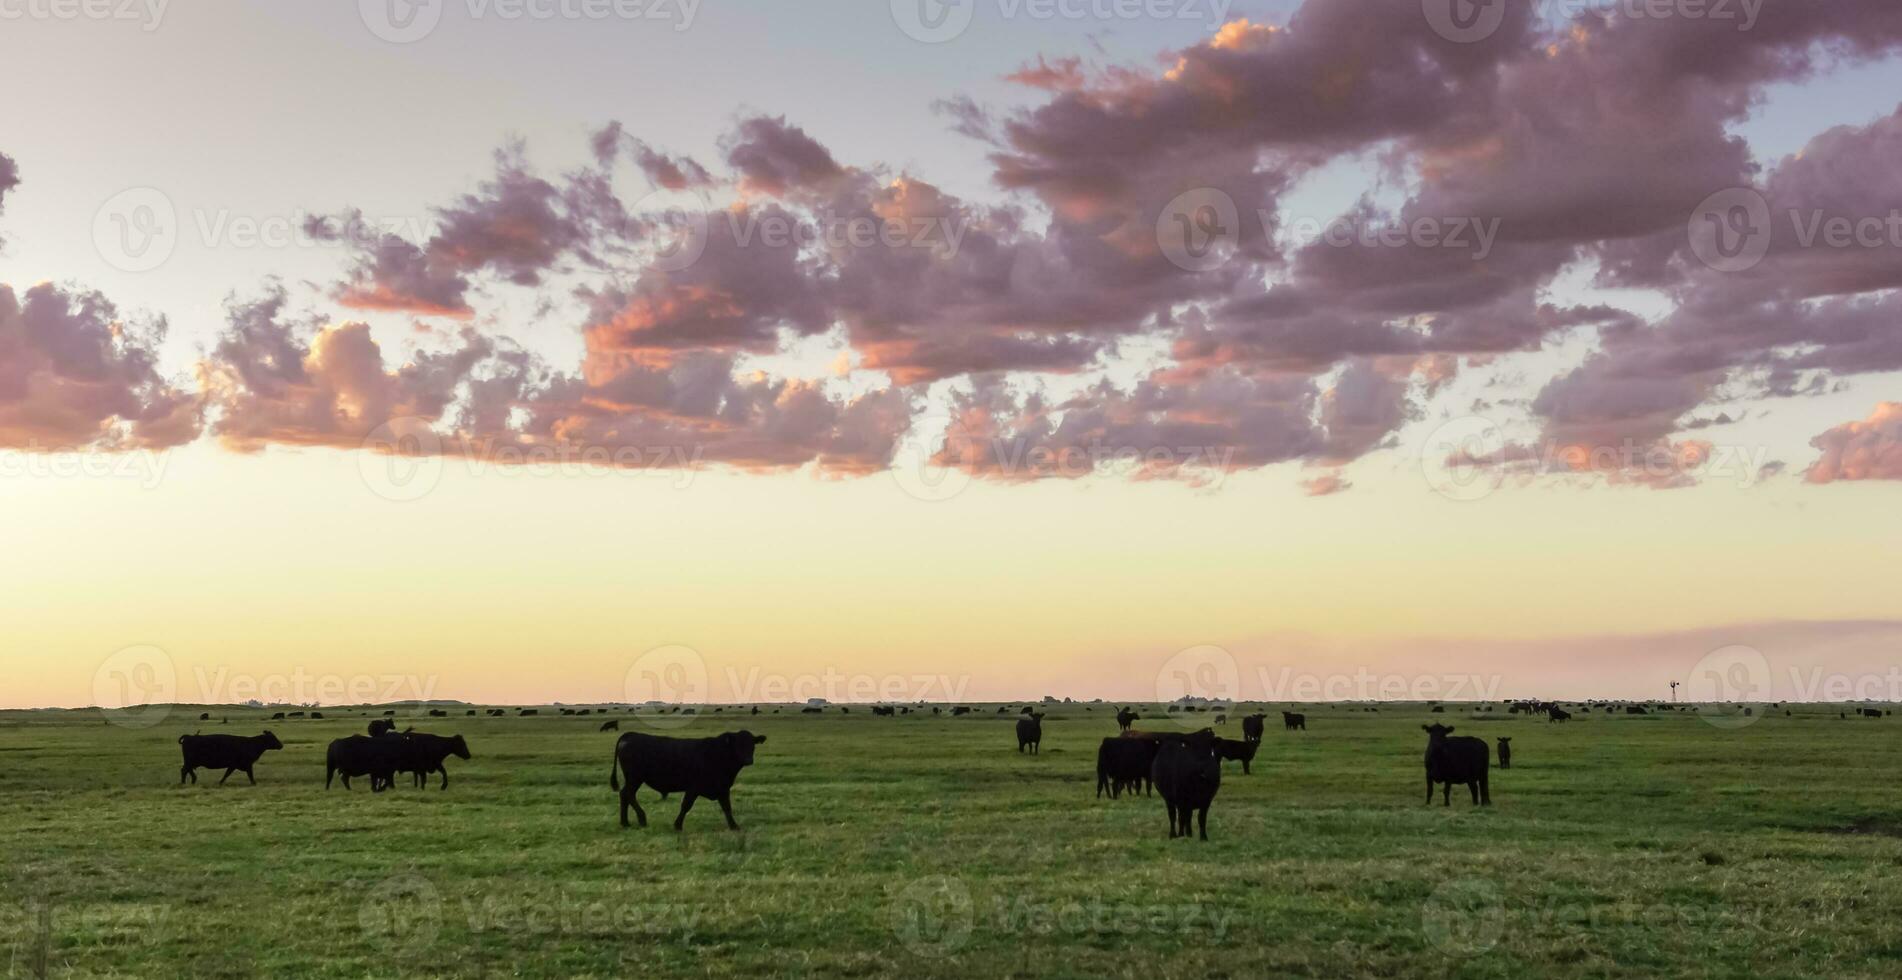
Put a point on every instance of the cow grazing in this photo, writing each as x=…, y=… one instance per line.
x=389, y=714
x=1505, y=752
x=525, y=712
x=232, y=753
x=695, y=767
x=1126, y=718
x=317, y=715
x=1124, y=764
x=611, y=726
x=1030, y=733
x=1635, y=709
x=811, y=711
x=1251, y=727
x=423, y=753
x=1221, y=719
x=1294, y=721
x=1237, y=750
x=884, y=711
x=1187, y=772
x=205, y=717
x=1555, y=713
x=1870, y=712
x=1456, y=760
x=361, y=755
x=279, y=716
x=960, y=710
x=470, y=713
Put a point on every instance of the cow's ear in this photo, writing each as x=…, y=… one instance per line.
x=1425, y=728
x=759, y=739
x=1449, y=730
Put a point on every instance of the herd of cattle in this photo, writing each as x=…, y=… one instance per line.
x=1184, y=768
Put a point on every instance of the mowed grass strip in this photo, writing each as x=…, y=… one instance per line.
x=926, y=845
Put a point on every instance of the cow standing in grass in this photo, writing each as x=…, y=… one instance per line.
x=232, y=753
x=423, y=753
x=1505, y=752
x=1124, y=764
x=360, y=755
x=1030, y=733
x=1252, y=727
x=694, y=766
x=1187, y=773
x=1126, y=718
x=1294, y=721
x=1456, y=760
x=1555, y=713
x=1234, y=750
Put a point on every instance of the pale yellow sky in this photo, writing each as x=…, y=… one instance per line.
x=511, y=586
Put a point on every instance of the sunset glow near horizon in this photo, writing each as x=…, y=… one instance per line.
x=1315, y=351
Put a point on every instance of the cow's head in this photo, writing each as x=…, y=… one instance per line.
x=270, y=741
x=741, y=744
x=1435, y=732
x=1503, y=739
x=459, y=748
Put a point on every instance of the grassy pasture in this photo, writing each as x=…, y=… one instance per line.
x=926, y=846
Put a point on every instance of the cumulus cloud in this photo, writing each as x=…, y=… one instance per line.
x=1867, y=450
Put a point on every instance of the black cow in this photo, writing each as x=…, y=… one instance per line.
x=694, y=766
x=1237, y=750
x=1187, y=772
x=611, y=726
x=1505, y=752
x=232, y=753
x=380, y=725
x=1124, y=764
x=1251, y=727
x=525, y=712
x=884, y=711
x=1556, y=713
x=960, y=710
x=1635, y=709
x=811, y=711
x=389, y=714
x=317, y=715
x=1126, y=718
x=1029, y=733
x=1871, y=712
x=1294, y=721
x=1456, y=760
x=279, y=716
x=361, y=755
x=205, y=717
x=423, y=753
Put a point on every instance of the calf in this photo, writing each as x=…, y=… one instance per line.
x=1294, y=721
x=1187, y=772
x=1237, y=750
x=361, y=755
x=423, y=753
x=611, y=726
x=380, y=725
x=1505, y=752
x=694, y=766
x=1029, y=733
x=1126, y=718
x=1456, y=760
x=232, y=753
x=1251, y=727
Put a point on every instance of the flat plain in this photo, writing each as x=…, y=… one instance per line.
x=925, y=846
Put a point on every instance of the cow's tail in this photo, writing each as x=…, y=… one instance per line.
x=614, y=767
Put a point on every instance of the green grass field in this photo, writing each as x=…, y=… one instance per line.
x=926, y=846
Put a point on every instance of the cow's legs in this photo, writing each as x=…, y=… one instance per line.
x=227, y=775
x=726, y=807
x=1202, y=822
x=686, y=803
x=1485, y=791
x=1429, y=790
x=445, y=776
x=184, y=771
x=1446, y=793
x=250, y=776
x=1172, y=818
x=1473, y=788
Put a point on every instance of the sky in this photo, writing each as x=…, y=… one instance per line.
x=532, y=350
